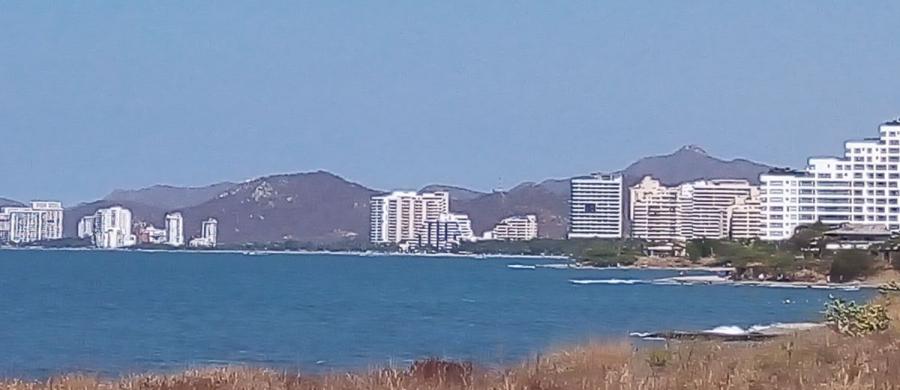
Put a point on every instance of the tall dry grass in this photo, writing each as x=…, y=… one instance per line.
x=818, y=359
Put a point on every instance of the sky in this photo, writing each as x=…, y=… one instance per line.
x=96, y=96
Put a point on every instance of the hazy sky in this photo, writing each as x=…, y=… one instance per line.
x=102, y=95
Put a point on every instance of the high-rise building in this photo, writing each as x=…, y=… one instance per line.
x=397, y=217
x=174, y=229
x=112, y=228
x=4, y=227
x=208, y=234
x=862, y=187
x=446, y=231
x=40, y=221
x=210, y=231
x=595, y=206
x=86, y=226
x=515, y=228
x=713, y=209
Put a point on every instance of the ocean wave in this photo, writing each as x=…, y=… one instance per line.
x=727, y=331
x=520, y=266
x=606, y=281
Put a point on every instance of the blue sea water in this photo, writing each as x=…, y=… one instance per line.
x=119, y=312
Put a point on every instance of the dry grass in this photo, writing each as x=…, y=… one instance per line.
x=819, y=359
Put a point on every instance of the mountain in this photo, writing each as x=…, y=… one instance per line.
x=692, y=163
x=9, y=203
x=170, y=197
x=139, y=212
x=550, y=206
x=316, y=206
x=456, y=193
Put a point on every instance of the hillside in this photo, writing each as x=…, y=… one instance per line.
x=316, y=206
x=550, y=207
x=9, y=203
x=323, y=207
x=170, y=197
x=456, y=193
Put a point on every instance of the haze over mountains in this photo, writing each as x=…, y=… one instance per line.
x=323, y=207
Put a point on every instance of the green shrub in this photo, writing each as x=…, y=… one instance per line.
x=856, y=320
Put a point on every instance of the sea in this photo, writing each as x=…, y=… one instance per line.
x=112, y=313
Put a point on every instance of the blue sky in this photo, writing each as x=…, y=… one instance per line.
x=399, y=94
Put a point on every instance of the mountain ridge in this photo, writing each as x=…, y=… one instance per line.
x=321, y=206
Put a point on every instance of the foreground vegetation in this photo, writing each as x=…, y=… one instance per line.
x=818, y=359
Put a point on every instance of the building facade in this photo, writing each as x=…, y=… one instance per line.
x=174, y=229
x=595, y=207
x=515, y=228
x=398, y=217
x=445, y=232
x=112, y=228
x=862, y=187
x=706, y=209
x=208, y=234
x=40, y=221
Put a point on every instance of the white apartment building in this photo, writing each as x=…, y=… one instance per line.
x=515, y=228
x=208, y=234
x=112, y=228
x=713, y=209
x=397, y=217
x=860, y=188
x=595, y=206
x=446, y=231
x=40, y=221
x=174, y=229
x=744, y=219
x=86, y=226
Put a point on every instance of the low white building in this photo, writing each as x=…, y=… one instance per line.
x=515, y=228
x=208, y=236
x=446, y=231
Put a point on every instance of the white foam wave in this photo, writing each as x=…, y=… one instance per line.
x=520, y=266
x=606, y=281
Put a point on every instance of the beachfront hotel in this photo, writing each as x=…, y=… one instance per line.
x=110, y=228
x=595, y=206
x=515, y=228
x=705, y=209
x=174, y=229
x=860, y=188
x=445, y=232
x=208, y=235
x=398, y=216
x=40, y=221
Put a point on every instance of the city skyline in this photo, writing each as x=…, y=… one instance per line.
x=132, y=95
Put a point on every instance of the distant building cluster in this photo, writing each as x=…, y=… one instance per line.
x=112, y=227
x=705, y=209
x=423, y=220
x=40, y=221
x=708, y=209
